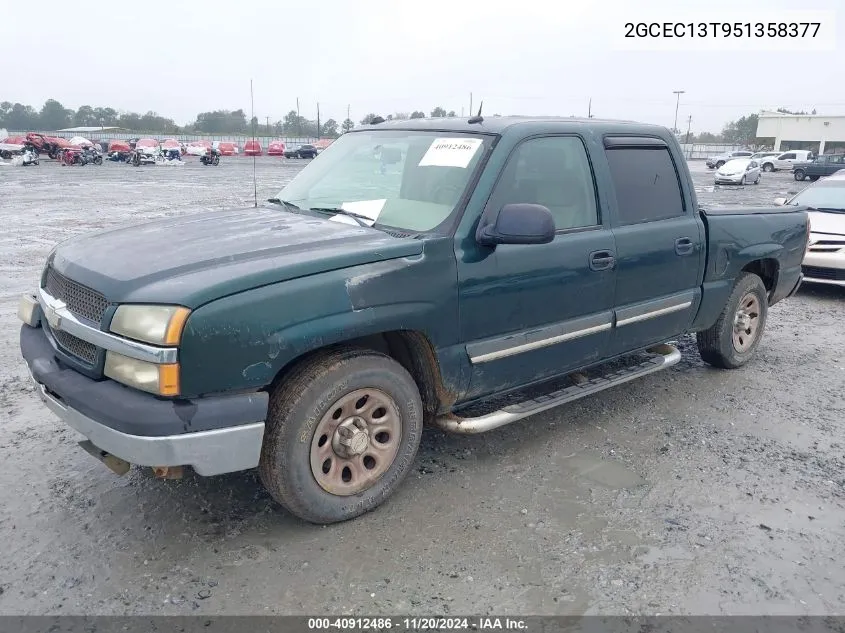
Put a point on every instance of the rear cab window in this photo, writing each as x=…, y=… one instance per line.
x=646, y=182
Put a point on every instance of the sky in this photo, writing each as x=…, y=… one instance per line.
x=529, y=57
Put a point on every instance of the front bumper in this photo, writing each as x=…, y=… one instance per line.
x=728, y=180
x=213, y=435
x=824, y=267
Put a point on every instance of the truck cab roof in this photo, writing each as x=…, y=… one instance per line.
x=501, y=124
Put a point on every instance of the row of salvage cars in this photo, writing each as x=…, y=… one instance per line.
x=824, y=261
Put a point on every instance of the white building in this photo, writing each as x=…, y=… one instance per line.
x=817, y=132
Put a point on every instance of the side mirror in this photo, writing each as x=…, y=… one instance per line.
x=780, y=201
x=517, y=224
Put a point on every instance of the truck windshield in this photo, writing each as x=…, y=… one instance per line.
x=823, y=196
x=407, y=179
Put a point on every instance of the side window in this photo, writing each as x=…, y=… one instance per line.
x=836, y=160
x=552, y=171
x=787, y=156
x=646, y=183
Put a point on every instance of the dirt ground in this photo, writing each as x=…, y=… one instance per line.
x=692, y=491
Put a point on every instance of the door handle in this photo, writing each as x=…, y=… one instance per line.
x=602, y=260
x=684, y=246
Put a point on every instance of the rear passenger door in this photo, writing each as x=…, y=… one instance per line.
x=659, y=244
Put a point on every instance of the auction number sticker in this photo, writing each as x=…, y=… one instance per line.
x=450, y=152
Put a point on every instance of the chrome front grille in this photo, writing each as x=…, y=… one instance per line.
x=74, y=346
x=81, y=300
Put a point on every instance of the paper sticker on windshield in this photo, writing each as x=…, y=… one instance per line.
x=451, y=152
x=367, y=210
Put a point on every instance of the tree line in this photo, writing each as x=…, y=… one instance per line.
x=54, y=116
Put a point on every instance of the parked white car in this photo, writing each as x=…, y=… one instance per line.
x=824, y=261
x=786, y=160
x=714, y=162
x=739, y=171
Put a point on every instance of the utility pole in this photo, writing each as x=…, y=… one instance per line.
x=269, y=133
x=470, y=104
x=590, y=109
x=678, y=93
x=318, y=120
x=298, y=120
x=347, y=112
x=689, y=124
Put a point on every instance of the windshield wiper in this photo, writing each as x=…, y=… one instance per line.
x=355, y=216
x=290, y=206
x=825, y=209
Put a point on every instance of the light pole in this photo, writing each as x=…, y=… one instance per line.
x=677, y=103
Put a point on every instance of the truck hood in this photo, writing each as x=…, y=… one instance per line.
x=196, y=258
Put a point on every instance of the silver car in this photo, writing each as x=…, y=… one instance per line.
x=739, y=171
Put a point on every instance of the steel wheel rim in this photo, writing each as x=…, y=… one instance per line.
x=746, y=323
x=355, y=442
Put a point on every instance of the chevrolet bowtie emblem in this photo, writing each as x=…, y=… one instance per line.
x=53, y=316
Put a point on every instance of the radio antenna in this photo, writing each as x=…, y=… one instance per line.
x=254, y=179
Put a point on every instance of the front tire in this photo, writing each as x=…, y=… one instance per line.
x=768, y=167
x=719, y=164
x=799, y=175
x=733, y=340
x=742, y=181
x=342, y=433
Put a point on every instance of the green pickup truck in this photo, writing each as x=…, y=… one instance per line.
x=464, y=273
x=820, y=166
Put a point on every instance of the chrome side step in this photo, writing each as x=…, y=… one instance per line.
x=660, y=357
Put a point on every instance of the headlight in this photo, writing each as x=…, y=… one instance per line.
x=159, y=325
x=162, y=380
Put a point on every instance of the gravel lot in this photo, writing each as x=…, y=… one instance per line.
x=692, y=491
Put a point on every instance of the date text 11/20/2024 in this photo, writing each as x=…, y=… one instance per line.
x=417, y=624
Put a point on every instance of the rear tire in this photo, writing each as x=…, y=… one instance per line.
x=733, y=340
x=306, y=413
x=813, y=178
x=768, y=167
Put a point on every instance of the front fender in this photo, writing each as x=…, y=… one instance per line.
x=243, y=341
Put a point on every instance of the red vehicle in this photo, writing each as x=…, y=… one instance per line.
x=171, y=143
x=276, y=148
x=252, y=148
x=43, y=144
x=116, y=145
x=11, y=145
x=227, y=149
x=148, y=143
x=71, y=156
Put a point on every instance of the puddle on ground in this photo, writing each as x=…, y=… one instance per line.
x=605, y=472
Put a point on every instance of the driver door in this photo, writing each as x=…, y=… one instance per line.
x=530, y=312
